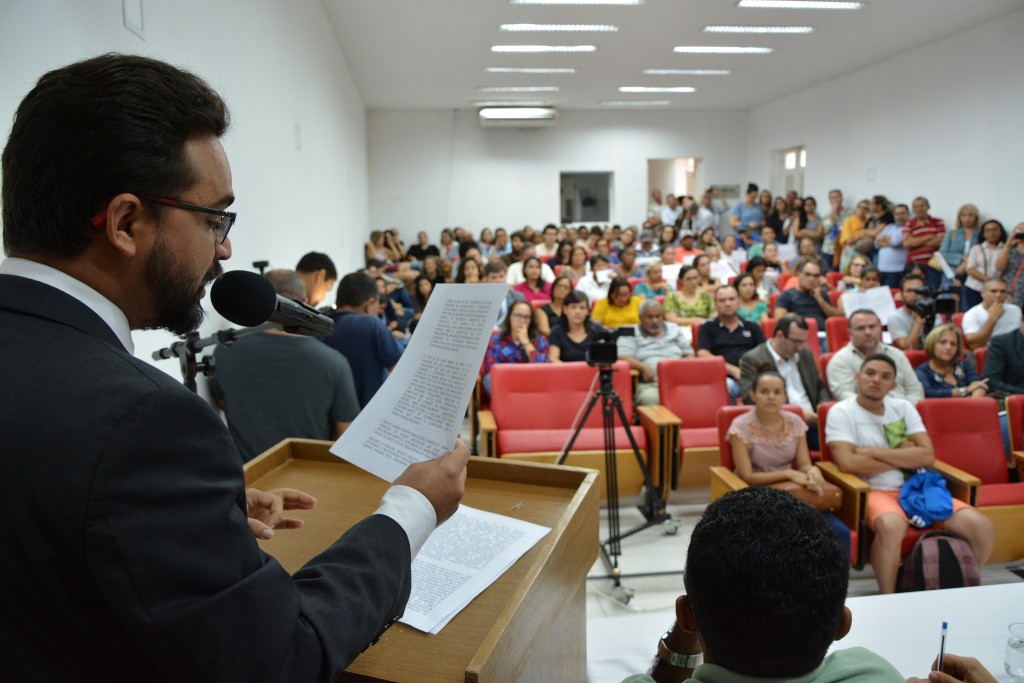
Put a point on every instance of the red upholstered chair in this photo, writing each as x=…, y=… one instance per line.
x=958, y=320
x=837, y=329
x=823, y=364
x=634, y=281
x=833, y=278
x=724, y=478
x=1015, y=418
x=787, y=281
x=965, y=434
x=539, y=303
x=533, y=408
x=834, y=296
x=768, y=327
x=693, y=389
x=916, y=357
x=557, y=269
x=772, y=303
x=980, y=354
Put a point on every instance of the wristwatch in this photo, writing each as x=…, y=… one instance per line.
x=676, y=659
x=961, y=392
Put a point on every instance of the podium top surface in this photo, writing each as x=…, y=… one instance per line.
x=483, y=641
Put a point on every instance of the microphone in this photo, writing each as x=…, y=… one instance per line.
x=248, y=299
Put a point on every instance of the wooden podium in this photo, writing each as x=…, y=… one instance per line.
x=530, y=625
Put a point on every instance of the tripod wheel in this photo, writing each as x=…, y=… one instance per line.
x=670, y=526
x=623, y=594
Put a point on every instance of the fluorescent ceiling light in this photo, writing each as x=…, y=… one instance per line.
x=505, y=113
x=687, y=72
x=518, y=88
x=635, y=103
x=508, y=103
x=576, y=2
x=723, y=50
x=799, y=4
x=645, y=89
x=543, y=48
x=758, y=29
x=527, y=70
x=607, y=28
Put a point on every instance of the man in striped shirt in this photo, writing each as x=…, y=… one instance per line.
x=922, y=236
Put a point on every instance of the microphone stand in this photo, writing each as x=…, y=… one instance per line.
x=185, y=351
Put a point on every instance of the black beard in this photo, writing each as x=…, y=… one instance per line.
x=178, y=307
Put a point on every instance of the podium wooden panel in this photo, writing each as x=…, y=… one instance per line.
x=530, y=625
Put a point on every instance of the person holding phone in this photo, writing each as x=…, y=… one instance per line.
x=1010, y=264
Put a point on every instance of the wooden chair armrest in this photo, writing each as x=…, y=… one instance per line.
x=723, y=481
x=634, y=379
x=962, y=485
x=488, y=430
x=662, y=429
x=843, y=480
x=658, y=416
x=855, y=494
x=1018, y=460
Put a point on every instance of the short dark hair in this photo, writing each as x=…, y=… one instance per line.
x=355, y=289
x=863, y=311
x=751, y=187
x=767, y=580
x=755, y=262
x=787, y=321
x=314, y=261
x=492, y=267
x=465, y=246
x=910, y=277
x=91, y=130
x=882, y=357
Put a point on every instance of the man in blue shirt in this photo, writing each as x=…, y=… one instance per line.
x=361, y=336
x=747, y=217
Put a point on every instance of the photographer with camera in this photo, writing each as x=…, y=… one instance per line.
x=656, y=340
x=1010, y=264
x=907, y=326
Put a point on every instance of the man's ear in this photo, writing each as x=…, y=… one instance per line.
x=123, y=212
x=684, y=614
x=845, y=622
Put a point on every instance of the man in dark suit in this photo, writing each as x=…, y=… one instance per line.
x=787, y=353
x=130, y=536
x=1003, y=365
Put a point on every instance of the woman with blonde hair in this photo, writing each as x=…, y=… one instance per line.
x=956, y=245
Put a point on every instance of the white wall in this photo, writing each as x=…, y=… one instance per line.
x=278, y=65
x=431, y=169
x=944, y=121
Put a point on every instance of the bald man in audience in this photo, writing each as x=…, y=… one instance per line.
x=275, y=385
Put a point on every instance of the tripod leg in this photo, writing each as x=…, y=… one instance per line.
x=655, y=506
x=576, y=432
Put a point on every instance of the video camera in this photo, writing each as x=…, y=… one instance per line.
x=604, y=351
x=930, y=303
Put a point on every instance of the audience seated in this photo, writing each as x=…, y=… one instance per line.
x=517, y=341
x=992, y=317
x=620, y=307
x=948, y=373
x=515, y=275
x=809, y=299
x=548, y=246
x=422, y=289
x=574, y=331
x=865, y=341
x=906, y=325
x=1003, y=364
x=468, y=271
x=766, y=286
x=360, y=335
x=655, y=340
x=422, y=249
x=318, y=276
x=595, y=283
x=628, y=267
x=689, y=304
x=787, y=353
x=759, y=604
x=655, y=284
x=876, y=435
x=274, y=385
x=703, y=265
x=729, y=336
x=533, y=287
x=751, y=307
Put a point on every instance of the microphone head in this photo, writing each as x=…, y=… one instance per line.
x=243, y=298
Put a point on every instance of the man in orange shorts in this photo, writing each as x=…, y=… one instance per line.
x=876, y=436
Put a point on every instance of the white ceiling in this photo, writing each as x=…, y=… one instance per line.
x=430, y=54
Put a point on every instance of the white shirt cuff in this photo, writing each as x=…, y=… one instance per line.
x=412, y=511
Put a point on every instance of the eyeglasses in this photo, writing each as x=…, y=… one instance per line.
x=796, y=342
x=220, y=228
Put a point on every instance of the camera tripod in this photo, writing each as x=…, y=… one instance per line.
x=653, y=507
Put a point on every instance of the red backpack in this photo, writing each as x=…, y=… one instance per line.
x=938, y=560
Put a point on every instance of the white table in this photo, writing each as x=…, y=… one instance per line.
x=902, y=628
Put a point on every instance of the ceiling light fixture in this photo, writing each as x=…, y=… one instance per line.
x=527, y=70
x=758, y=29
x=687, y=72
x=630, y=88
x=576, y=2
x=543, y=48
x=508, y=103
x=635, y=103
x=799, y=4
x=722, y=50
x=606, y=28
x=517, y=88
x=510, y=113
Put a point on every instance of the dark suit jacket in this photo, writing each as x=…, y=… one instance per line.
x=1003, y=365
x=127, y=554
x=813, y=384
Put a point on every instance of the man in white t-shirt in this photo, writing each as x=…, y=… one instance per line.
x=673, y=209
x=875, y=437
x=992, y=317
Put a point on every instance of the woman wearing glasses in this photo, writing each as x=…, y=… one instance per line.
x=517, y=341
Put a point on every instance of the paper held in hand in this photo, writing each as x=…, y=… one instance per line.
x=416, y=416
